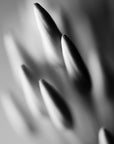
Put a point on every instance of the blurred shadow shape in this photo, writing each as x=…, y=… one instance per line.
x=31, y=91
x=20, y=120
x=13, y=54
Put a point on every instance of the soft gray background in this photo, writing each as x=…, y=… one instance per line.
x=9, y=12
x=10, y=19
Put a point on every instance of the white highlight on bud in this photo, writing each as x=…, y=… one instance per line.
x=68, y=59
x=102, y=137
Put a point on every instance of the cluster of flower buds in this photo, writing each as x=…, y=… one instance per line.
x=64, y=101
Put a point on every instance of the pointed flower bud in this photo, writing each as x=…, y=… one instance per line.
x=57, y=108
x=75, y=66
x=50, y=34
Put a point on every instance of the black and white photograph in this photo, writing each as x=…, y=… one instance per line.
x=56, y=71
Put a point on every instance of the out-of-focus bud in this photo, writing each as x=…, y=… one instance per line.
x=31, y=91
x=17, y=116
x=13, y=53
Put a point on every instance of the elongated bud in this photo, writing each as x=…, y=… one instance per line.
x=56, y=106
x=75, y=65
x=18, y=118
x=13, y=54
x=31, y=91
x=105, y=137
x=50, y=34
